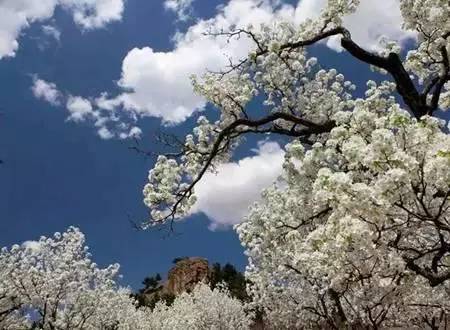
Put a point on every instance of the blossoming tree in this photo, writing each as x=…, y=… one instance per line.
x=357, y=230
x=53, y=284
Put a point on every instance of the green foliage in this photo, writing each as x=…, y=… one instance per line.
x=151, y=283
x=234, y=280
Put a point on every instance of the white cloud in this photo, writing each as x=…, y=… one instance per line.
x=91, y=14
x=371, y=21
x=51, y=31
x=46, y=91
x=122, y=132
x=106, y=103
x=79, y=108
x=134, y=132
x=17, y=15
x=105, y=133
x=225, y=197
x=182, y=8
x=99, y=111
x=158, y=83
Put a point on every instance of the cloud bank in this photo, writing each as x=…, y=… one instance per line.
x=17, y=15
x=157, y=83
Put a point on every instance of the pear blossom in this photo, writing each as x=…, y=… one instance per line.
x=203, y=308
x=356, y=231
x=53, y=284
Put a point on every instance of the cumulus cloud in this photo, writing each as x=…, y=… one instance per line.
x=182, y=8
x=105, y=133
x=99, y=111
x=122, y=131
x=79, y=108
x=17, y=15
x=91, y=14
x=134, y=132
x=157, y=83
x=160, y=81
x=106, y=103
x=226, y=196
x=46, y=91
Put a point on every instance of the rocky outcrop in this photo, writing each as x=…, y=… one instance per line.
x=186, y=274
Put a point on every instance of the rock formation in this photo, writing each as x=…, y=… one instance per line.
x=186, y=274
x=182, y=277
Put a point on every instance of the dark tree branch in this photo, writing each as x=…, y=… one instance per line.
x=392, y=64
x=442, y=80
x=433, y=278
x=416, y=102
x=310, y=128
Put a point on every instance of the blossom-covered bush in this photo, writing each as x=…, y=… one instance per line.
x=357, y=230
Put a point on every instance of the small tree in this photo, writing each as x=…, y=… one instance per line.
x=152, y=293
x=229, y=276
x=151, y=283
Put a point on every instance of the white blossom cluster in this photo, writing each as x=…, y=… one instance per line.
x=53, y=284
x=430, y=58
x=359, y=219
x=169, y=179
x=203, y=308
x=357, y=231
x=293, y=86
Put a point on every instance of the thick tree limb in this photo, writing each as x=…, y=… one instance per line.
x=392, y=64
x=433, y=278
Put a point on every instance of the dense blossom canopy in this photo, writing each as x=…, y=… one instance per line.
x=354, y=233
x=203, y=308
x=53, y=284
x=357, y=230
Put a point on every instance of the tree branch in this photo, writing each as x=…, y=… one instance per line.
x=311, y=128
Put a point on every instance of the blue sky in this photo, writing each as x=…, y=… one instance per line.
x=59, y=172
